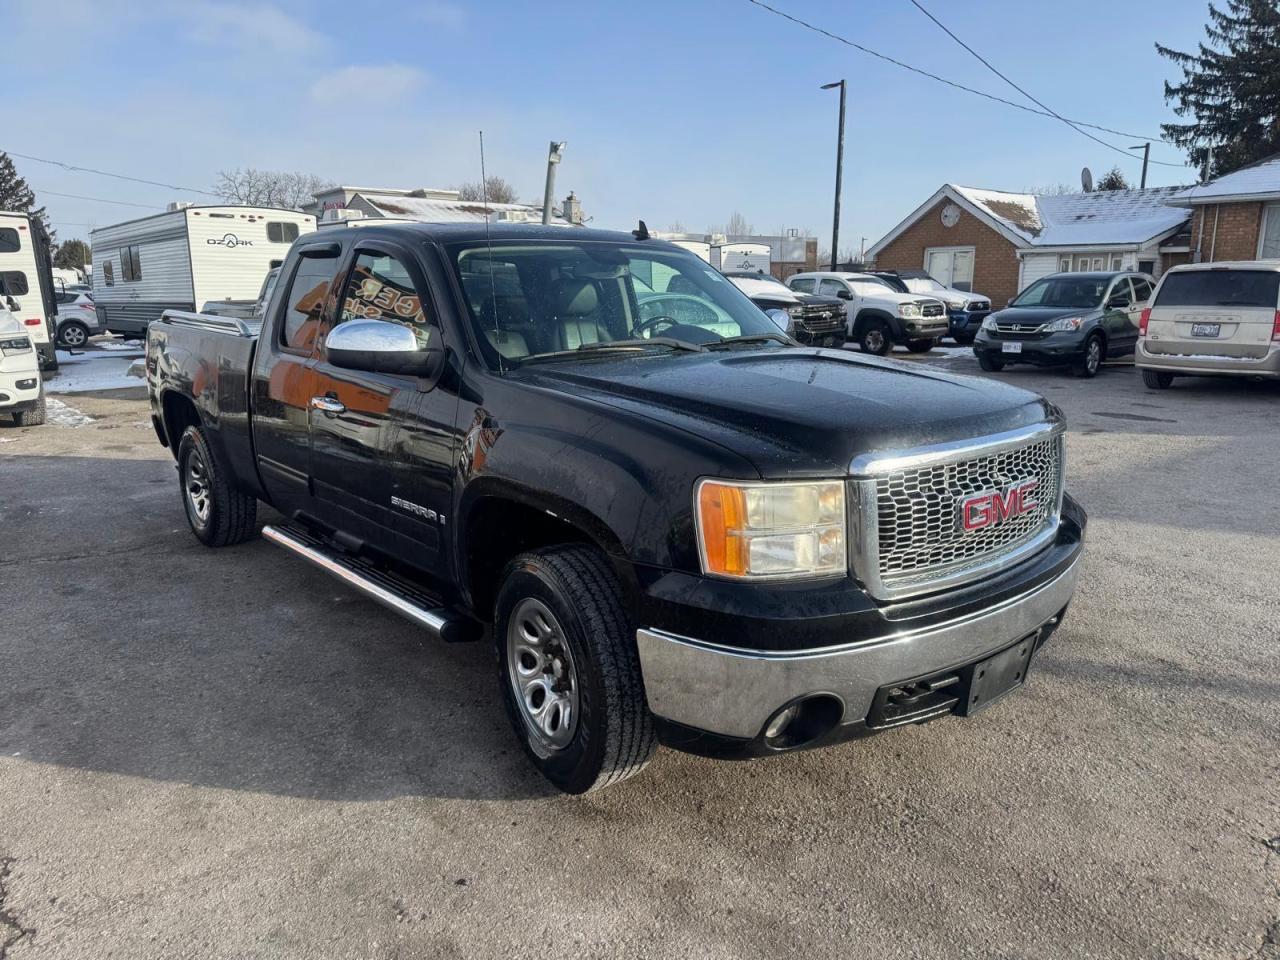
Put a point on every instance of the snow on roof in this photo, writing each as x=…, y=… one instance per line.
x=1100, y=218
x=1258, y=181
x=451, y=210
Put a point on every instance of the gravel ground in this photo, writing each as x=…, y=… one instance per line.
x=226, y=754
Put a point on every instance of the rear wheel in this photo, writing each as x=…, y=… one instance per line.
x=920, y=346
x=1157, y=380
x=1091, y=361
x=990, y=364
x=875, y=338
x=73, y=334
x=569, y=669
x=219, y=514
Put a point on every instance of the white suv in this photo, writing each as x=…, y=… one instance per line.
x=1221, y=319
x=21, y=392
x=878, y=315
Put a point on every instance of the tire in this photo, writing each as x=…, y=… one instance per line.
x=219, y=514
x=964, y=339
x=73, y=334
x=1157, y=380
x=875, y=338
x=589, y=652
x=33, y=417
x=1089, y=365
x=990, y=364
x=921, y=346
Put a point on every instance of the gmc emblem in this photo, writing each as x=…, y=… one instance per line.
x=987, y=509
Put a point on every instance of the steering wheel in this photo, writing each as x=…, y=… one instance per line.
x=646, y=326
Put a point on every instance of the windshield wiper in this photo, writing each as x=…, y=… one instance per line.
x=627, y=346
x=751, y=338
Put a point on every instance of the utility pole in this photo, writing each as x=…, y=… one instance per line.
x=1146, y=158
x=835, y=225
x=553, y=158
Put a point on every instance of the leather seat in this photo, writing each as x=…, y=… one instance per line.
x=511, y=345
x=576, y=323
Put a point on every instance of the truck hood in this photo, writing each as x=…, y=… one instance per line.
x=796, y=412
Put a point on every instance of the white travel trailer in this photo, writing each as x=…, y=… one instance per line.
x=186, y=257
x=26, y=281
x=741, y=257
x=699, y=248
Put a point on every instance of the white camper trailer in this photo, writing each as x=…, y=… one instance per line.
x=741, y=257
x=185, y=258
x=26, y=281
x=699, y=248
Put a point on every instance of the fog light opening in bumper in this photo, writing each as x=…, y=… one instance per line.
x=801, y=722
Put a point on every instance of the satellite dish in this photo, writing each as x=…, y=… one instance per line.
x=1086, y=180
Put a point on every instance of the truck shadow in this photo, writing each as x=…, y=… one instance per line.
x=131, y=649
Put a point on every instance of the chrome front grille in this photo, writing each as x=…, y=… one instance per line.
x=911, y=536
x=932, y=310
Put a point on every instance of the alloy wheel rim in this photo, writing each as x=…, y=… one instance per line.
x=74, y=336
x=543, y=678
x=196, y=487
x=1095, y=355
x=875, y=340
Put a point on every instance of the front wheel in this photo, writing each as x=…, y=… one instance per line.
x=920, y=346
x=1157, y=380
x=73, y=334
x=33, y=417
x=569, y=669
x=990, y=364
x=1091, y=361
x=964, y=339
x=875, y=338
x=219, y=514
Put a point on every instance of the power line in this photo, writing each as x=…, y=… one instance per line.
x=103, y=173
x=933, y=76
x=986, y=63
x=76, y=196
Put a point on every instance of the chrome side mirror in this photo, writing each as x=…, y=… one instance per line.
x=380, y=346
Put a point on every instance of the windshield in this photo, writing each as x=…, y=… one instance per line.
x=538, y=299
x=1081, y=293
x=923, y=285
x=1220, y=288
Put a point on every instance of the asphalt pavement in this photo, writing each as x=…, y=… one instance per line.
x=227, y=754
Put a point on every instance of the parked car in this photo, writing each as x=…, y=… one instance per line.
x=674, y=528
x=814, y=320
x=878, y=315
x=21, y=388
x=76, y=319
x=965, y=310
x=1072, y=319
x=1220, y=319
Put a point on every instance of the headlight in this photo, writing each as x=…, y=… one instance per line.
x=15, y=346
x=771, y=531
x=955, y=304
x=1064, y=323
x=908, y=310
x=989, y=323
x=796, y=311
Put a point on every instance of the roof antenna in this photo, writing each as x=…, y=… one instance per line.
x=641, y=232
x=493, y=290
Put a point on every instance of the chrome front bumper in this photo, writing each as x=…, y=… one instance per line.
x=733, y=692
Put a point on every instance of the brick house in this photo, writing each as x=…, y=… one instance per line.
x=995, y=243
x=1237, y=216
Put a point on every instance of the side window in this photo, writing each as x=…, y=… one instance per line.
x=130, y=264
x=9, y=240
x=13, y=283
x=1121, y=288
x=1141, y=289
x=108, y=273
x=280, y=232
x=381, y=288
x=308, y=295
x=804, y=285
x=830, y=288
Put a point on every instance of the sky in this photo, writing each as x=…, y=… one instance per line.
x=678, y=113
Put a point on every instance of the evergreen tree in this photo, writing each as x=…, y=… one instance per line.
x=1113, y=179
x=15, y=195
x=72, y=255
x=1230, y=86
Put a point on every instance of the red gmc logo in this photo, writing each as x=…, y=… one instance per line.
x=986, y=509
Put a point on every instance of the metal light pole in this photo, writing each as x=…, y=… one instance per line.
x=1146, y=158
x=835, y=225
x=553, y=158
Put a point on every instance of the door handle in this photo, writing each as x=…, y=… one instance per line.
x=328, y=405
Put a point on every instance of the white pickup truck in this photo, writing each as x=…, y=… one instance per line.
x=878, y=315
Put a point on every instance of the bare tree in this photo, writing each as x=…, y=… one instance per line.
x=498, y=189
x=269, y=188
x=738, y=225
x=1053, y=190
x=676, y=227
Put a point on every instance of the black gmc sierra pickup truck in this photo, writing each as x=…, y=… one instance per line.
x=676, y=524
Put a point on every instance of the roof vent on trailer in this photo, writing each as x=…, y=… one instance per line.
x=178, y=205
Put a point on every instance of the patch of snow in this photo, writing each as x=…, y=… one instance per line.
x=91, y=370
x=63, y=415
x=133, y=345
x=137, y=369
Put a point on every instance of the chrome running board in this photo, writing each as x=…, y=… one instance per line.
x=391, y=591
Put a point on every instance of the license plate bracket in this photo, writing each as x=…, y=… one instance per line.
x=1206, y=329
x=1011, y=346
x=998, y=675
